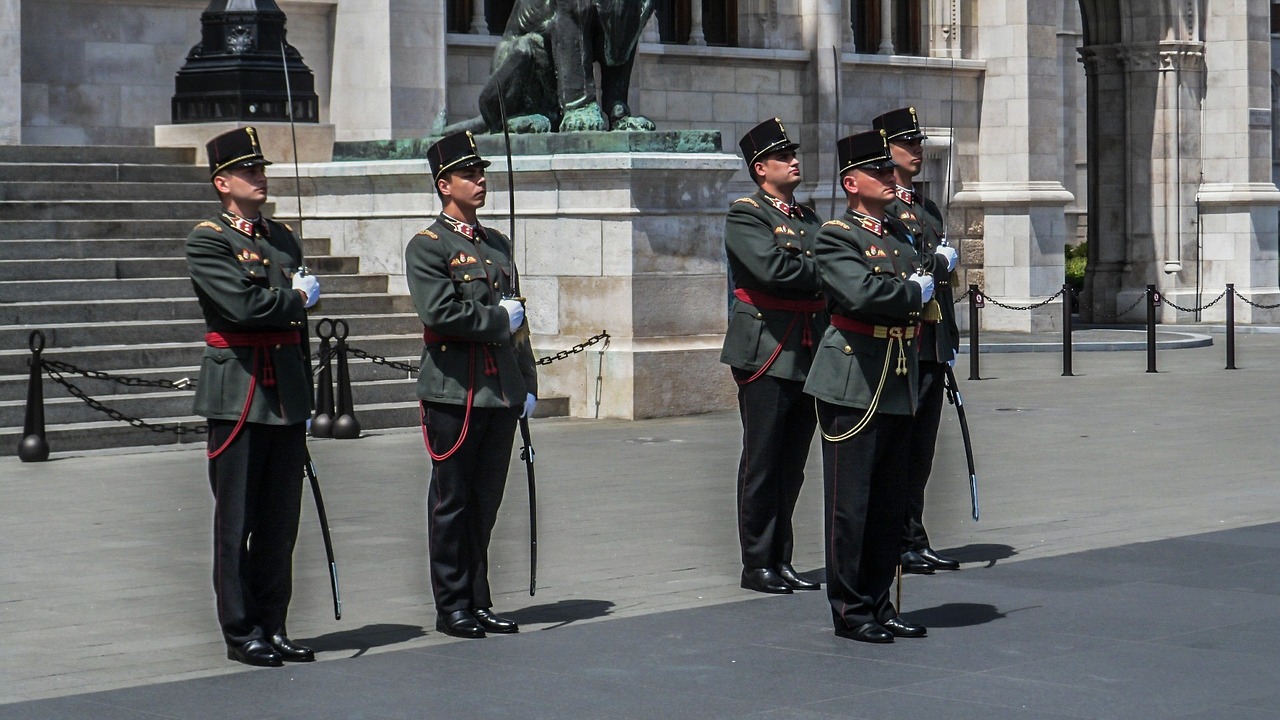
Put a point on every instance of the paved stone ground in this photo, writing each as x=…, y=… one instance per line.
x=1124, y=567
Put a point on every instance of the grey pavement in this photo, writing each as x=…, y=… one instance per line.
x=1124, y=566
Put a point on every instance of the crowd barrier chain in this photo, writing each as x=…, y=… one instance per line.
x=34, y=445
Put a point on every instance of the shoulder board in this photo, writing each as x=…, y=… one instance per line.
x=749, y=200
x=837, y=223
x=211, y=225
x=429, y=234
x=287, y=226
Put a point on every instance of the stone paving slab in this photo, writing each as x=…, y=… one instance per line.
x=1122, y=568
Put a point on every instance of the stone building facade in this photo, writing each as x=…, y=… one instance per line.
x=1144, y=126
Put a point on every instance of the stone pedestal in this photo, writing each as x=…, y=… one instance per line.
x=615, y=231
x=315, y=141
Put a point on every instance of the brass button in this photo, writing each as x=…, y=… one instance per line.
x=759, y=316
x=487, y=261
x=466, y=277
x=266, y=261
x=788, y=243
x=277, y=347
x=808, y=253
x=875, y=269
x=801, y=233
x=908, y=343
x=904, y=274
x=847, y=349
x=895, y=252
x=252, y=274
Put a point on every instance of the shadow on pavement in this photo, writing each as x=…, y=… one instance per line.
x=988, y=553
x=561, y=613
x=363, y=639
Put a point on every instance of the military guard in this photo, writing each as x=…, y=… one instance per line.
x=774, y=323
x=475, y=383
x=939, y=337
x=255, y=389
x=863, y=377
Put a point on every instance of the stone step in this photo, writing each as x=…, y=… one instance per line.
x=36, y=314
x=189, y=211
x=178, y=360
x=160, y=247
x=102, y=172
x=140, y=267
x=64, y=290
x=124, y=191
x=96, y=229
x=96, y=154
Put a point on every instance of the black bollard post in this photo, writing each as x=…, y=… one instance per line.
x=33, y=447
x=345, y=425
x=1153, y=299
x=322, y=420
x=1066, y=330
x=1231, y=326
x=975, y=302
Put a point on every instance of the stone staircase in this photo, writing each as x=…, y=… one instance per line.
x=91, y=254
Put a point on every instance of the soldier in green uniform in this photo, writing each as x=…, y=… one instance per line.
x=863, y=377
x=476, y=381
x=774, y=322
x=255, y=389
x=939, y=338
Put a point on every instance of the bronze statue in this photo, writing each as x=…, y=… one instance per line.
x=544, y=67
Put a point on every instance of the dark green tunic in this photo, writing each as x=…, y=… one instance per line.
x=770, y=249
x=864, y=266
x=941, y=340
x=456, y=282
x=243, y=282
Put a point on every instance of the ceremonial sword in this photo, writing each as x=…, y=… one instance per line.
x=310, y=467
x=526, y=450
x=954, y=397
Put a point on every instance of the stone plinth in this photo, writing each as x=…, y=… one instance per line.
x=615, y=231
x=315, y=141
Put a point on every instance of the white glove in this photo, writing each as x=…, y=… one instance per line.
x=529, y=402
x=309, y=286
x=926, y=286
x=950, y=255
x=515, y=313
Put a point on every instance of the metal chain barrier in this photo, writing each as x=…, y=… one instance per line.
x=1110, y=316
x=406, y=367
x=1040, y=304
x=1206, y=306
x=1247, y=301
x=114, y=414
x=56, y=365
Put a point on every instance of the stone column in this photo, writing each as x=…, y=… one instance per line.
x=886, y=27
x=1107, y=172
x=389, y=68
x=10, y=72
x=479, y=25
x=1238, y=200
x=696, y=36
x=1019, y=189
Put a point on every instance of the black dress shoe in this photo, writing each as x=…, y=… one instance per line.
x=913, y=563
x=903, y=629
x=289, y=650
x=494, y=623
x=792, y=579
x=764, y=580
x=867, y=632
x=255, y=652
x=459, y=623
x=941, y=562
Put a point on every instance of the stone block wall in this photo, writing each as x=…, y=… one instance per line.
x=107, y=78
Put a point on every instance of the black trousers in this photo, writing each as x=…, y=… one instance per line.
x=864, y=478
x=777, y=429
x=924, y=437
x=257, y=491
x=463, y=498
